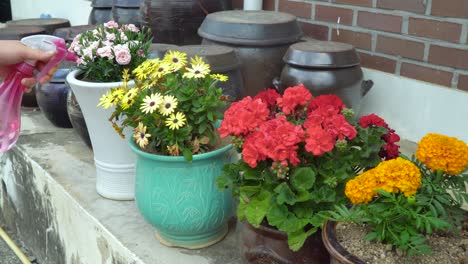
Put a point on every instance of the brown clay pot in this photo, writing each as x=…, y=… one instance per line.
x=259, y=38
x=48, y=24
x=338, y=255
x=267, y=245
x=19, y=32
x=177, y=22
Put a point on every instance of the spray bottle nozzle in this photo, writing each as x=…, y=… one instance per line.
x=49, y=43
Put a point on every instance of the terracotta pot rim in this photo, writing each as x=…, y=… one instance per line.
x=334, y=247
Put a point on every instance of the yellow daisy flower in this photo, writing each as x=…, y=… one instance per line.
x=176, y=121
x=111, y=98
x=219, y=77
x=168, y=105
x=161, y=70
x=129, y=98
x=199, y=69
x=176, y=59
x=151, y=103
x=140, y=136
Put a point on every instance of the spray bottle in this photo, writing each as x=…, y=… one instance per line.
x=11, y=90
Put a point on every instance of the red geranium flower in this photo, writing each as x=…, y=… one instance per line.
x=269, y=97
x=372, y=120
x=294, y=97
x=318, y=141
x=327, y=100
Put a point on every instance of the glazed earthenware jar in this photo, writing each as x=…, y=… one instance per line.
x=127, y=12
x=325, y=67
x=101, y=12
x=48, y=24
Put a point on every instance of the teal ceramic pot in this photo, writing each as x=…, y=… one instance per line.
x=181, y=199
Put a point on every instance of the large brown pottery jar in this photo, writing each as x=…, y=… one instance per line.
x=101, y=12
x=77, y=119
x=158, y=50
x=222, y=60
x=325, y=67
x=19, y=32
x=48, y=24
x=338, y=255
x=260, y=39
x=127, y=12
x=266, y=245
x=69, y=33
x=177, y=22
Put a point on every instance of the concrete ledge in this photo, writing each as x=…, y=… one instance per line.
x=48, y=197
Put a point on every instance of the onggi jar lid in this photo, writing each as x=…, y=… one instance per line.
x=256, y=28
x=220, y=58
x=321, y=54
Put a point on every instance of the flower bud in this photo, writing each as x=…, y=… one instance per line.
x=341, y=144
x=348, y=113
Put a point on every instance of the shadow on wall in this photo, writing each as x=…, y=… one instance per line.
x=5, y=10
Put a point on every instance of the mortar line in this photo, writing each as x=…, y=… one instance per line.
x=405, y=25
x=464, y=33
x=455, y=79
x=428, y=7
x=426, y=52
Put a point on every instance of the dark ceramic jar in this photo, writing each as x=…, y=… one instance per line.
x=325, y=67
x=259, y=38
x=69, y=33
x=52, y=99
x=158, y=50
x=177, y=22
x=267, y=245
x=101, y=12
x=77, y=119
x=48, y=24
x=338, y=255
x=19, y=32
x=222, y=60
x=127, y=12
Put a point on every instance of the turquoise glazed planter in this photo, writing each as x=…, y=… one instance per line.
x=181, y=199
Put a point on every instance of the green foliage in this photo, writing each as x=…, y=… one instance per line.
x=296, y=203
x=404, y=221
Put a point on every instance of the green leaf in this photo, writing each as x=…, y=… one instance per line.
x=296, y=240
x=223, y=182
x=249, y=191
x=285, y=195
x=257, y=208
x=303, y=196
x=187, y=154
x=370, y=236
x=303, y=178
x=277, y=214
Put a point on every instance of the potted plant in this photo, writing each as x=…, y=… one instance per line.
x=404, y=203
x=298, y=151
x=173, y=110
x=103, y=53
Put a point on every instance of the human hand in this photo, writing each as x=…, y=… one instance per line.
x=13, y=52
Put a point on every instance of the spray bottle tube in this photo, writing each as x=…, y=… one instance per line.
x=11, y=90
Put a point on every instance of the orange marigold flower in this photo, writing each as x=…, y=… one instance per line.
x=394, y=176
x=440, y=152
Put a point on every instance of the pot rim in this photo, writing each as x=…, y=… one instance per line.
x=334, y=247
x=175, y=159
x=71, y=78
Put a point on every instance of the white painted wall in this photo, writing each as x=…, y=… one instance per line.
x=414, y=108
x=77, y=11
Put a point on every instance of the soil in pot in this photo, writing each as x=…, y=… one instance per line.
x=446, y=249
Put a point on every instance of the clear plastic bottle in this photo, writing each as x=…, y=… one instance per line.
x=11, y=90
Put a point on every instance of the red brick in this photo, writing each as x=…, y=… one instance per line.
x=435, y=29
x=269, y=5
x=426, y=74
x=463, y=82
x=452, y=57
x=416, y=6
x=314, y=31
x=367, y=3
x=400, y=47
x=299, y=9
x=450, y=8
x=357, y=39
x=378, y=21
x=331, y=14
x=377, y=62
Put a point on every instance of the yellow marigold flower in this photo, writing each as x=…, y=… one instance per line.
x=175, y=59
x=219, y=77
x=140, y=135
x=176, y=121
x=440, y=152
x=168, y=105
x=361, y=189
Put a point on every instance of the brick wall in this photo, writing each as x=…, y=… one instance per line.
x=421, y=39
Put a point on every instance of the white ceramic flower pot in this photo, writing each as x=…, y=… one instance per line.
x=115, y=162
x=253, y=4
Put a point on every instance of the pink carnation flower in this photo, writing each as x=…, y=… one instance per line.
x=132, y=27
x=111, y=24
x=123, y=57
x=105, y=51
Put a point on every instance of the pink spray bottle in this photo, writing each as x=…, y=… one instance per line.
x=11, y=90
